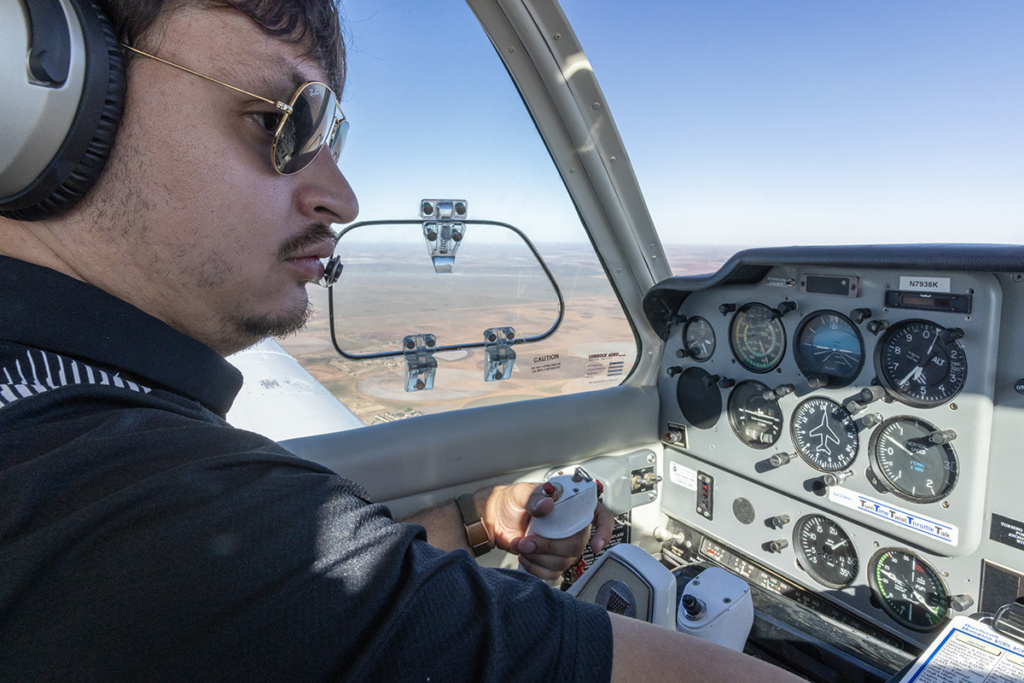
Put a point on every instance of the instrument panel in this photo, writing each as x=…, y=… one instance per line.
x=854, y=414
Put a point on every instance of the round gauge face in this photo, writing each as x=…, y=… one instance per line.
x=756, y=420
x=825, y=434
x=828, y=345
x=757, y=337
x=909, y=590
x=909, y=463
x=699, y=339
x=826, y=551
x=919, y=366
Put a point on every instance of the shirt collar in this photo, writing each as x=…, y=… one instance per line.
x=42, y=308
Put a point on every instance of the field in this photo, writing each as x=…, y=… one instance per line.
x=384, y=296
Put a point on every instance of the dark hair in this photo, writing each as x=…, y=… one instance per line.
x=315, y=23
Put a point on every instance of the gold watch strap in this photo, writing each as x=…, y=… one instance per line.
x=476, y=532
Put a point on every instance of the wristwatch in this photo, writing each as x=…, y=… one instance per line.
x=476, y=532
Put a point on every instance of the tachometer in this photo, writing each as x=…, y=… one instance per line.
x=921, y=363
x=699, y=338
x=825, y=551
x=909, y=590
x=756, y=420
x=825, y=434
x=830, y=347
x=757, y=337
x=913, y=459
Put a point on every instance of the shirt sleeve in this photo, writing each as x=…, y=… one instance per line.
x=255, y=565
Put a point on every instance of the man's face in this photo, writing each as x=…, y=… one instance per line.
x=195, y=224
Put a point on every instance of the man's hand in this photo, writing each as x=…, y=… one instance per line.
x=507, y=514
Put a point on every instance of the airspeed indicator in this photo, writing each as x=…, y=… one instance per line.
x=757, y=337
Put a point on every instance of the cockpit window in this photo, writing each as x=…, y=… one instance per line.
x=435, y=115
x=798, y=123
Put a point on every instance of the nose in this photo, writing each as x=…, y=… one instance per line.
x=324, y=194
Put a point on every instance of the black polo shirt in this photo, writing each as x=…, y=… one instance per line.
x=141, y=537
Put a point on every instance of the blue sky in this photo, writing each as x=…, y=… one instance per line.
x=754, y=122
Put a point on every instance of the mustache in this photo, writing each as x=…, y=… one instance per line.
x=313, y=235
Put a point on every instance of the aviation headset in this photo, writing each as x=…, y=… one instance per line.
x=61, y=97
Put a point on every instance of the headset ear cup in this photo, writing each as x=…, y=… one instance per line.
x=80, y=160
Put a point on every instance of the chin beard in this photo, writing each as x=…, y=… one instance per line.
x=255, y=328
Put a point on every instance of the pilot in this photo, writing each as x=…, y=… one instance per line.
x=141, y=537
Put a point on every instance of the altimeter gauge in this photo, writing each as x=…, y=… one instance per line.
x=699, y=338
x=825, y=551
x=922, y=363
x=757, y=337
x=756, y=420
x=825, y=434
x=909, y=590
x=829, y=346
x=913, y=459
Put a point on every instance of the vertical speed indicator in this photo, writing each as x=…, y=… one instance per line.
x=914, y=459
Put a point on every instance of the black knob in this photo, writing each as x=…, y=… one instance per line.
x=778, y=392
x=859, y=315
x=726, y=308
x=725, y=382
x=674, y=370
x=784, y=308
x=784, y=390
x=942, y=437
x=710, y=380
x=872, y=393
x=951, y=334
x=683, y=353
x=693, y=607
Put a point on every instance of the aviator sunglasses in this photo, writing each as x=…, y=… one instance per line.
x=311, y=120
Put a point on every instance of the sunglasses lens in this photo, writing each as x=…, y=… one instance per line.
x=307, y=129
